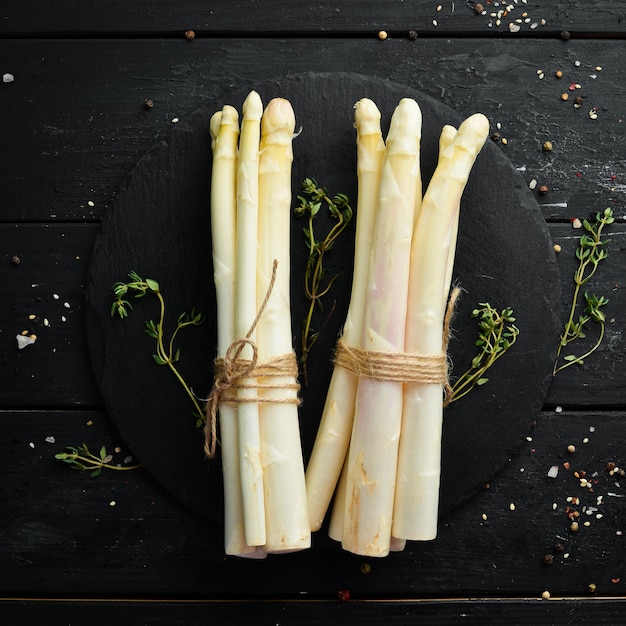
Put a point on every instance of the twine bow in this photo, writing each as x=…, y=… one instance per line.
x=232, y=372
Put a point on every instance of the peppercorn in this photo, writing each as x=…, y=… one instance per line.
x=558, y=74
x=16, y=260
x=382, y=35
x=565, y=35
x=578, y=100
x=148, y=104
x=543, y=190
x=479, y=8
x=412, y=35
x=190, y=35
x=564, y=97
x=610, y=466
x=496, y=137
x=547, y=146
x=548, y=559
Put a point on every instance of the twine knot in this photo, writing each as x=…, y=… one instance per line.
x=232, y=373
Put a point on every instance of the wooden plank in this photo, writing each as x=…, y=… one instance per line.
x=43, y=275
x=75, y=124
x=246, y=17
x=601, y=380
x=62, y=536
x=497, y=612
x=56, y=371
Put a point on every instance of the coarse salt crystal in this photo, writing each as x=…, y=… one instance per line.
x=8, y=78
x=31, y=444
x=50, y=439
x=23, y=341
x=553, y=472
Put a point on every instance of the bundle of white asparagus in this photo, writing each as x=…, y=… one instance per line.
x=378, y=447
x=255, y=389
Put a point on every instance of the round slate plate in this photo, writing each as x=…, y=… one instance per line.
x=159, y=227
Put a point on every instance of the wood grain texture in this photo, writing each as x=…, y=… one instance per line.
x=285, y=18
x=85, y=125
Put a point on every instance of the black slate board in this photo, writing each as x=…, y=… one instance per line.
x=159, y=226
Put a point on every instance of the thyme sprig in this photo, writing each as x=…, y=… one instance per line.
x=82, y=459
x=591, y=250
x=496, y=334
x=317, y=282
x=165, y=354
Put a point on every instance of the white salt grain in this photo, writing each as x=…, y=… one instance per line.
x=23, y=341
x=8, y=78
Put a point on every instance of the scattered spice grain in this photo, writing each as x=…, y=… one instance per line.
x=190, y=35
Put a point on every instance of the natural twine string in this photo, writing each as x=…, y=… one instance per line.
x=402, y=367
x=232, y=373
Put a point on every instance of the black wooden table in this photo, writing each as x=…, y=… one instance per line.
x=74, y=122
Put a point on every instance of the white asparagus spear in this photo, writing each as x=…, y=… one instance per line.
x=251, y=468
x=333, y=436
x=287, y=521
x=224, y=128
x=419, y=465
x=376, y=429
x=448, y=133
